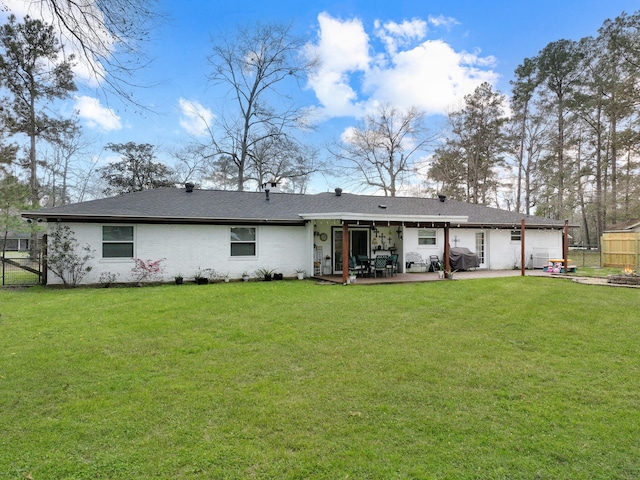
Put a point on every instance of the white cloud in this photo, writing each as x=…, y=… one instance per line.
x=431, y=76
x=411, y=71
x=395, y=35
x=196, y=119
x=442, y=21
x=343, y=47
x=95, y=115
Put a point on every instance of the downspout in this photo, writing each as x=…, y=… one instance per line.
x=522, y=249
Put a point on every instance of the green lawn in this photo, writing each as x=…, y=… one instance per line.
x=511, y=378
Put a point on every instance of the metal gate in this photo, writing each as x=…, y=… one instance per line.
x=20, y=268
x=22, y=271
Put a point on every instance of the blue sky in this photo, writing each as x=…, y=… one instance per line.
x=426, y=53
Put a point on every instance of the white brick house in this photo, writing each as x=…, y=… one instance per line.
x=235, y=232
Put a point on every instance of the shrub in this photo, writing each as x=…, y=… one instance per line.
x=65, y=258
x=147, y=270
x=107, y=279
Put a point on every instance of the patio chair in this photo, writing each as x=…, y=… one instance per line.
x=364, y=262
x=380, y=265
x=355, y=267
x=415, y=259
x=434, y=263
x=392, y=264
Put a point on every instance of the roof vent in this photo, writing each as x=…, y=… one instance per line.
x=338, y=192
x=189, y=187
x=442, y=197
x=266, y=191
x=382, y=206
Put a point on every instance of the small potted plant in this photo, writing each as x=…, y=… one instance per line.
x=245, y=276
x=300, y=273
x=225, y=277
x=265, y=273
x=179, y=279
x=212, y=275
x=352, y=276
x=201, y=277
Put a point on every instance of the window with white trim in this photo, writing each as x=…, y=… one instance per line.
x=427, y=236
x=243, y=241
x=117, y=241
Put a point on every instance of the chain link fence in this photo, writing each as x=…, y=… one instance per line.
x=585, y=256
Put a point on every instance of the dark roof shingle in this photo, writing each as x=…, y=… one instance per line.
x=175, y=205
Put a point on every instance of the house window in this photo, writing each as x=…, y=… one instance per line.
x=427, y=237
x=516, y=235
x=12, y=245
x=117, y=241
x=243, y=241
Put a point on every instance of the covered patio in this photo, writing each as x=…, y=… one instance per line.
x=343, y=226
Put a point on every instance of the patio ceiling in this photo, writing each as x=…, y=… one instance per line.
x=365, y=219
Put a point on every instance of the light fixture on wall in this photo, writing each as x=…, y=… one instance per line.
x=399, y=232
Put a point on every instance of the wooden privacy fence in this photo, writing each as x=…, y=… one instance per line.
x=621, y=249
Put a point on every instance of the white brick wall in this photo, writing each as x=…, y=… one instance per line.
x=186, y=248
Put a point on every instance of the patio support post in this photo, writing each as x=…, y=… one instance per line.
x=345, y=252
x=447, y=264
x=565, y=246
x=43, y=255
x=522, y=250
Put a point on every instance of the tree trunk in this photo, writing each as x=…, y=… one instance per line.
x=614, y=170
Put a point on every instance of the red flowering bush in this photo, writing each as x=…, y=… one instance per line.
x=147, y=270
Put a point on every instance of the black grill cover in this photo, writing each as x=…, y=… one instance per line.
x=463, y=259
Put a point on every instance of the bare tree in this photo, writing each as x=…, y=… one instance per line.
x=381, y=153
x=283, y=160
x=257, y=67
x=191, y=163
x=62, y=171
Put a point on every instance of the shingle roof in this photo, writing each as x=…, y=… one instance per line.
x=169, y=205
x=624, y=226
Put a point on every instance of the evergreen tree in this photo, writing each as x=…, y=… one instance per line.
x=477, y=143
x=137, y=170
x=33, y=77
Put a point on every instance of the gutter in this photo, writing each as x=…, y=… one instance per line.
x=161, y=220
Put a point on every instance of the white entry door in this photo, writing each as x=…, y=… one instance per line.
x=480, y=249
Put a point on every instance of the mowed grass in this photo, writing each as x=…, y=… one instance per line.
x=481, y=379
